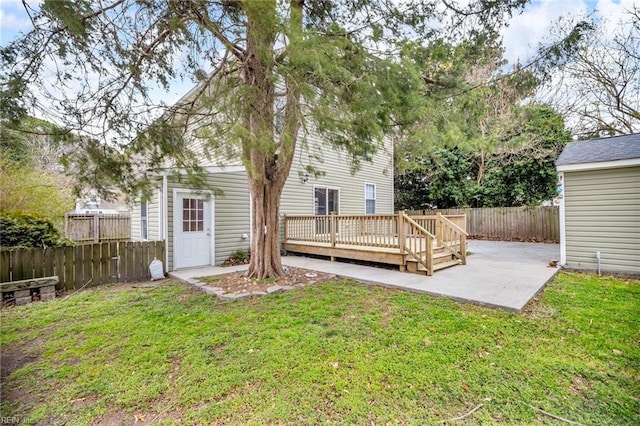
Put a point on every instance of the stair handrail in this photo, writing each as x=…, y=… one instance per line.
x=462, y=255
x=428, y=262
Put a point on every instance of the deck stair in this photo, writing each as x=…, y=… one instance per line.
x=442, y=259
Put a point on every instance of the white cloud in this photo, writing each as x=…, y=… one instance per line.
x=528, y=29
x=11, y=21
x=613, y=11
x=534, y=24
x=14, y=18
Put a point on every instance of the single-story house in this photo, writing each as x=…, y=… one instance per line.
x=205, y=229
x=599, y=192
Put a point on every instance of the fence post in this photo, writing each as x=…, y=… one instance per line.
x=438, y=229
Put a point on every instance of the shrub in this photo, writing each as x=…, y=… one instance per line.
x=240, y=256
x=20, y=229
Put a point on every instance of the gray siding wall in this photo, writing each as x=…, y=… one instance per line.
x=231, y=214
x=153, y=212
x=602, y=213
x=298, y=196
x=232, y=210
x=153, y=218
x=135, y=220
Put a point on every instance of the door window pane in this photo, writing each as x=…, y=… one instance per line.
x=192, y=215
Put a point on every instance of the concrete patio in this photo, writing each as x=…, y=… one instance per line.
x=498, y=274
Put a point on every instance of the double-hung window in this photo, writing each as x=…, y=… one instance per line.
x=369, y=198
x=144, y=220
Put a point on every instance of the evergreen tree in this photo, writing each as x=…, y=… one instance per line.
x=337, y=66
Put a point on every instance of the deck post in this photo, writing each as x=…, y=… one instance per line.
x=401, y=231
x=463, y=248
x=332, y=228
x=332, y=232
x=285, y=227
x=429, y=258
x=438, y=229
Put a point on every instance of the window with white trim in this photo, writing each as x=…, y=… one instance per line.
x=144, y=220
x=326, y=200
x=369, y=198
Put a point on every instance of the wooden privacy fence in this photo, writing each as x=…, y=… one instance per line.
x=87, y=228
x=83, y=265
x=539, y=223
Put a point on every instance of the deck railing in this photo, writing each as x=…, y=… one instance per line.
x=415, y=235
x=420, y=243
x=452, y=237
x=355, y=230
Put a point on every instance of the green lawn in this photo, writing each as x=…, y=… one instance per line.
x=334, y=353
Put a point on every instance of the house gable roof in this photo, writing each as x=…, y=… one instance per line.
x=624, y=147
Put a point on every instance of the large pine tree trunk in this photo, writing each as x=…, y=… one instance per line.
x=265, y=242
x=267, y=158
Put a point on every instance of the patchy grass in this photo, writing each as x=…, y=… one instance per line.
x=209, y=279
x=332, y=353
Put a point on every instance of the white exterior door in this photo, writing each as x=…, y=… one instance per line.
x=192, y=230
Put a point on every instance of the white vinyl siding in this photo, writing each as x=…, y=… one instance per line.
x=602, y=214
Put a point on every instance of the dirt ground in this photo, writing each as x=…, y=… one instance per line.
x=237, y=282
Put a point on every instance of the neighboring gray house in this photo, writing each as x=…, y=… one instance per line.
x=599, y=191
x=203, y=229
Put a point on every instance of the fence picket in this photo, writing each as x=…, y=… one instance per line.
x=128, y=261
x=105, y=263
x=5, y=266
x=69, y=268
x=78, y=281
x=58, y=260
x=114, y=263
x=95, y=264
x=86, y=263
x=37, y=264
x=48, y=265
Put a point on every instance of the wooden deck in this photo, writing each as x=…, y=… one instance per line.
x=397, y=239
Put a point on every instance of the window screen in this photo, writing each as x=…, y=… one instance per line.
x=370, y=198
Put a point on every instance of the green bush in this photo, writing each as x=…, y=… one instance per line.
x=19, y=229
x=240, y=256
